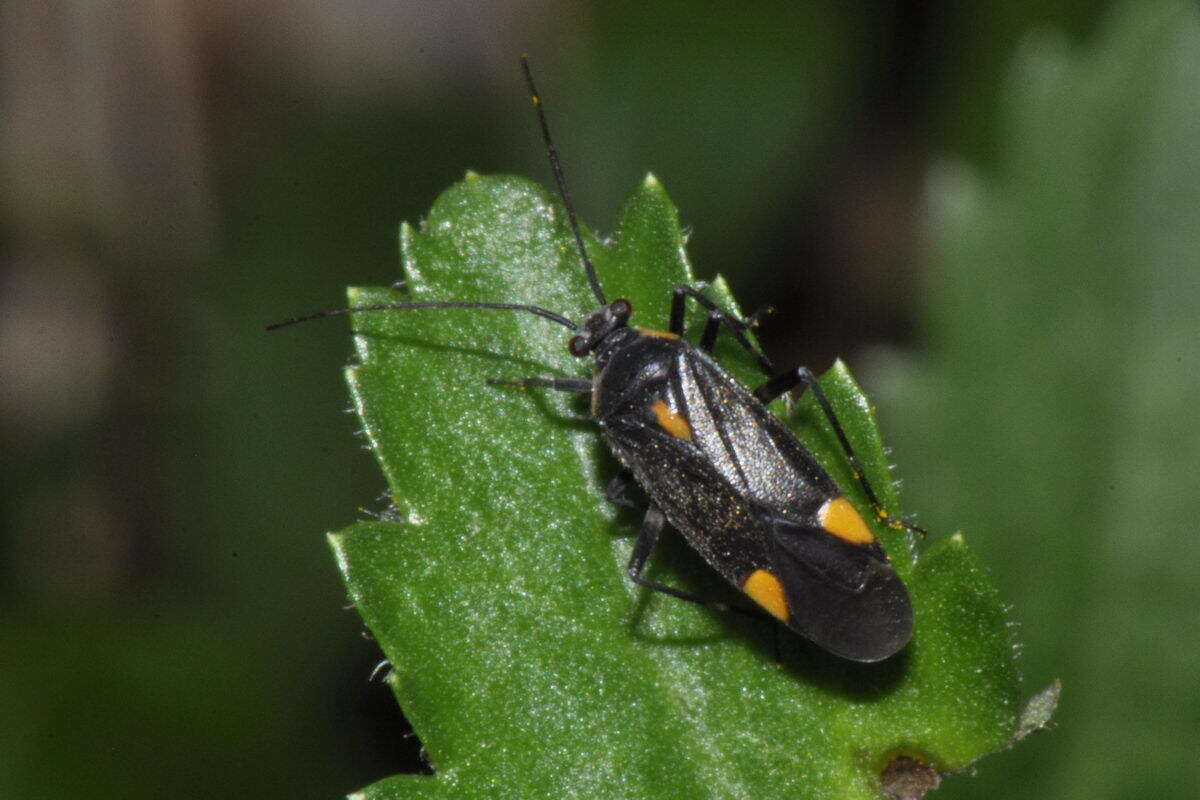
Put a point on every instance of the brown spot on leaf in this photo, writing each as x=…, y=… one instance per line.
x=908, y=778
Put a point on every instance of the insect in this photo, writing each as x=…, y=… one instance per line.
x=718, y=466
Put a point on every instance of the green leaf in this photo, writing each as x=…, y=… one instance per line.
x=526, y=661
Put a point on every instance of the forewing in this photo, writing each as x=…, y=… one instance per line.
x=845, y=597
x=697, y=501
x=746, y=443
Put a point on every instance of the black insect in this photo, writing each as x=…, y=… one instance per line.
x=721, y=468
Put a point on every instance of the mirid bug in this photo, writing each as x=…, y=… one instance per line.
x=718, y=466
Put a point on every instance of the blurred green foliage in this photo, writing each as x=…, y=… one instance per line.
x=1042, y=408
x=1049, y=413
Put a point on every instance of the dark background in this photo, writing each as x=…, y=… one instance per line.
x=988, y=209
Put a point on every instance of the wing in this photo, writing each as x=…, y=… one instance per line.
x=840, y=595
x=716, y=519
x=745, y=442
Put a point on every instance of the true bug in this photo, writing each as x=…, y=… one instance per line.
x=718, y=466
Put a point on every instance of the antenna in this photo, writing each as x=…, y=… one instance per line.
x=538, y=310
x=337, y=312
x=556, y=166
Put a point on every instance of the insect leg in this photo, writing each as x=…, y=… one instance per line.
x=734, y=325
x=708, y=338
x=575, y=385
x=712, y=326
x=615, y=491
x=652, y=526
x=803, y=376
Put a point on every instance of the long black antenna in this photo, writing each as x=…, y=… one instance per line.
x=536, y=99
x=337, y=312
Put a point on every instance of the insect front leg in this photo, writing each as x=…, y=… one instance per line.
x=803, y=376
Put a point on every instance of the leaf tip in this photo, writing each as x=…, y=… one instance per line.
x=838, y=367
x=1039, y=711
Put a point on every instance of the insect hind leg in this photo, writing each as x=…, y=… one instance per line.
x=803, y=376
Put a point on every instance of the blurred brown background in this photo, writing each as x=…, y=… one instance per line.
x=176, y=175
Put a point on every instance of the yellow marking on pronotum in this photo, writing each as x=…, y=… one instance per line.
x=839, y=518
x=671, y=421
x=765, y=589
x=656, y=334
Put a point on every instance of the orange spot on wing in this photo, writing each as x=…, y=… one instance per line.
x=839, y=518
x=671, y=421
x=765, y=589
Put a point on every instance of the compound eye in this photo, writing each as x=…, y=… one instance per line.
x=621, y=307
x=577, y=346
